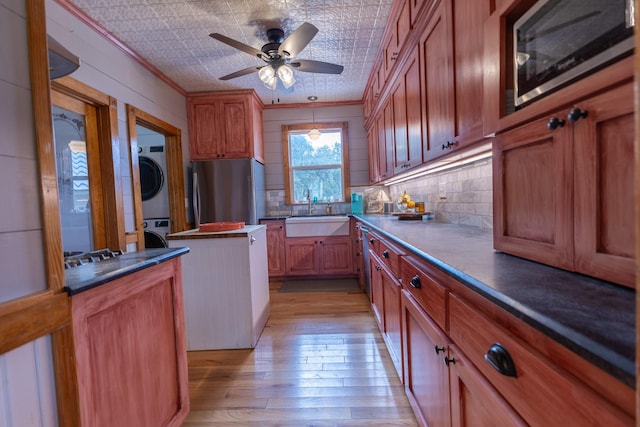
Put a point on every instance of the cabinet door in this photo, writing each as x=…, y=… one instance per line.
x=474, y=402
x=237, y=131
x=386, y=141
x=401, y=151
x=275, y=248
x=407, y=116
x=336, y=255
x=437, y=80
x=204, y=125
x=392, y=318
x=426, y=377
x=302, y=257
x=605, y=231
x=468, y=27
x=376, y=295
x=533, y=193
x=374, y=163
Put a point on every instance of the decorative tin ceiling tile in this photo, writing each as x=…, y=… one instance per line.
x=173, y=36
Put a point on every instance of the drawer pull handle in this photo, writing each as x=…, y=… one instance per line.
x=415, y=282
x=378, y=268
x=385, y=254
x=448, y=361
x=438, y=349
x=501, y=360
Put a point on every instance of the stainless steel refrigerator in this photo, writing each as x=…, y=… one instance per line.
x=228, y=190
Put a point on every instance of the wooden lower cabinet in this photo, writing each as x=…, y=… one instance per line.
x=131, y=350
x=474, y=401
x=319, y=256
x=440, y=336
x=375, y=292
x=443, y=387
x=426, y=376
x=392, y=318
x=275, y=247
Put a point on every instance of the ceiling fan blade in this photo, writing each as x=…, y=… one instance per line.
x=240, y=73
x=238, y=45
x=310, y=66
x=297, y=40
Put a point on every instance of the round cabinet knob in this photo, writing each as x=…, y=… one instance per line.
x=415, y=282
x=385, y=254
x=371, y=241
x=576, y=114
x=555, y=123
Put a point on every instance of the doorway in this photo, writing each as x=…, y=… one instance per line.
x=157, y=179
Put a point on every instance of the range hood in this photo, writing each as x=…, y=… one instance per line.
x=61, y=61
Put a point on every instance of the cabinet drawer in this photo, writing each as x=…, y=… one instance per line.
x=390, y=255
x=541, y=392
x=424, y=289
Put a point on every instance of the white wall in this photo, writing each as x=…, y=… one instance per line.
x=275, y=118
x=27, y=395
x=105, y=67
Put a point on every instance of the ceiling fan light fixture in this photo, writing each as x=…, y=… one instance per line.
x=268, y=76
x=286, y=76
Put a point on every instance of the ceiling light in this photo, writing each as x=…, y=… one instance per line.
x=286, y=76
x=314, y=134
x=268, y=76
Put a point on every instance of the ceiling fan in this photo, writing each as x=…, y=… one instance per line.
x=279, y=54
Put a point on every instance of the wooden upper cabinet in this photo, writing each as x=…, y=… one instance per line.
x=397, y=35
x=225, y=125
x=532, y=192
x=468, y=41
x=437, y=84
x=563, y=197
x=407, y=116
x=605, y=229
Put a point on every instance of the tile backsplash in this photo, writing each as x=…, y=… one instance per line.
x=461, y=195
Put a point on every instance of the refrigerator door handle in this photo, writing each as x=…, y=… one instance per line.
x=196, y=200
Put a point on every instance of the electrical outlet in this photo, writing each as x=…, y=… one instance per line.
x=442, y=191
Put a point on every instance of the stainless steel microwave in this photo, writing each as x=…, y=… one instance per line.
x=559, y=41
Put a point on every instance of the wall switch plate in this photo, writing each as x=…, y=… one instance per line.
x=442, y=190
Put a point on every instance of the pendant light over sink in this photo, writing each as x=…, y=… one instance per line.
x=314, y=134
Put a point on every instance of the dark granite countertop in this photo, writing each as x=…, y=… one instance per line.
x=90, y=275
x=592, y=318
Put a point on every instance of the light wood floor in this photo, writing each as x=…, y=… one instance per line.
x=321, y=361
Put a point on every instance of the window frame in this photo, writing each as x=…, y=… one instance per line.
x=343, y=127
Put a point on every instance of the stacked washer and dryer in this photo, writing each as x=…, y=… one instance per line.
x=153, y=185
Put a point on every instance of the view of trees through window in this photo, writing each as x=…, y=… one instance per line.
x=316, y=167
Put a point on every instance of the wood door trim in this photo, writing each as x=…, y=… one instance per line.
x=175, y=174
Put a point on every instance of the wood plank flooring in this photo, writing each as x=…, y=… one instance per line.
x=321, y=361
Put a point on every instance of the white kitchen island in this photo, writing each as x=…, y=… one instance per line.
x=226, y=286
